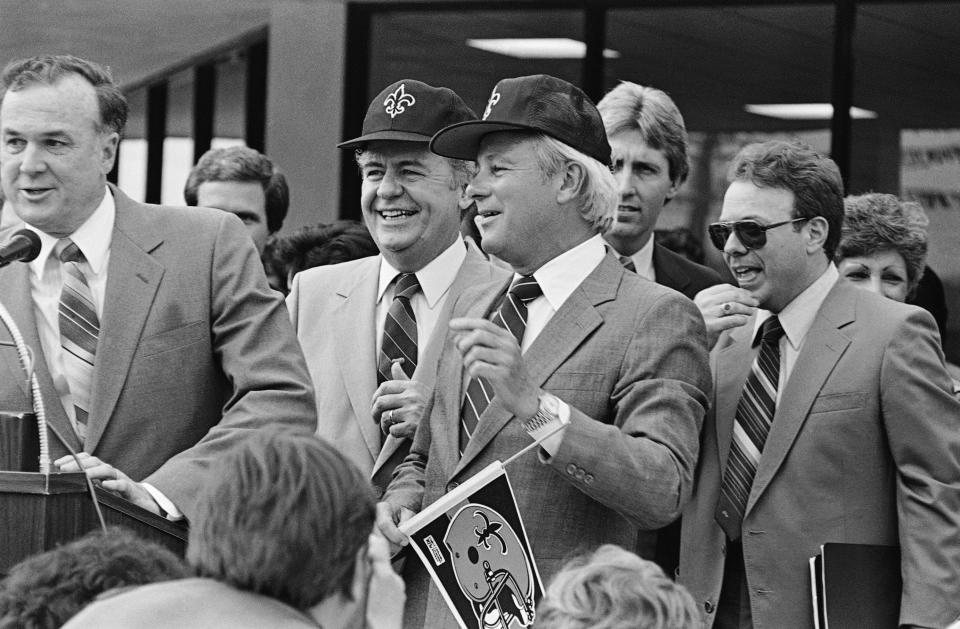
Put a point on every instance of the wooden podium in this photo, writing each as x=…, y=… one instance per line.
x=37, y=512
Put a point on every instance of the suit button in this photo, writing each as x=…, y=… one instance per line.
x=708, y=607
x=571, y=469
x=588, y=478
x=580, y=474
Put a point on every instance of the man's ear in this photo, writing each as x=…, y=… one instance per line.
x=573, y=178
x=817, y=230
x=672, y=192
x=108, y=146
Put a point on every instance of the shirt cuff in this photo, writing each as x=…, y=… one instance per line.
x=171, y=512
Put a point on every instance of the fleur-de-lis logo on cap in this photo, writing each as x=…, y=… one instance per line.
x=398, y=101
x=494, y=99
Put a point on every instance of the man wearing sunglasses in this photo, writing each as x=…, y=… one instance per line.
x=832, y=418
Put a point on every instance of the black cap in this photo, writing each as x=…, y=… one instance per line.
x=538, y=103
x=410, y=111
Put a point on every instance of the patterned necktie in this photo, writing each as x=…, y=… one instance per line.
x=750, y=429
x=512, y=316
x=628, y=264
x=399, y=330
x=79, y=331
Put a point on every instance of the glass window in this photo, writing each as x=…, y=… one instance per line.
x=714, y=62
x=905, y=74
x=178, y=145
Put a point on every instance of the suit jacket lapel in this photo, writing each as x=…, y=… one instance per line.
x=474, y=270
x=734, y=359
x=823, y=346
x=357, y=350
x=15, y=287
x=563, y=334
x=133, y=277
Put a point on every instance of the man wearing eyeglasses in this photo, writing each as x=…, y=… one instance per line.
x=832, y=418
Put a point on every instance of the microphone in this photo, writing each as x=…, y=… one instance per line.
x=23, y=245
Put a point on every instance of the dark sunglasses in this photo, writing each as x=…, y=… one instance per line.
x=751, y=234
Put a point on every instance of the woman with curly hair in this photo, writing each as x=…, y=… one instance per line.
x=883, y=247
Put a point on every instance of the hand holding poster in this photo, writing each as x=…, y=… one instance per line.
x=474, y=546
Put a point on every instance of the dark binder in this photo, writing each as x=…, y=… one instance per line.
x=855, y=586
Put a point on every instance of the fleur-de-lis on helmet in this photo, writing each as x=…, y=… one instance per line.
x=494, y=99
x=398, y=101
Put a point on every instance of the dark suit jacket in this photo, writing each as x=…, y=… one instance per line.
x=864, y=448
x=629, y=358
x=195, y=349
x=333, y=309
x=682, y=275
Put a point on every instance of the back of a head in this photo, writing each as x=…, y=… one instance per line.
x=284, y=518
x=242, y=164
x=319, y=245
x=814, y=180
x=651, y=112
x=45, y=590
x=612, y=588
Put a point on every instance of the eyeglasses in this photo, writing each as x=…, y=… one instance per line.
x=751, y=234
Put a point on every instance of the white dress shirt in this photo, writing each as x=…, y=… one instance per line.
x=435, y=280
x=558, y=278
x=93, y=238
x=642, y=260
x=796, y=319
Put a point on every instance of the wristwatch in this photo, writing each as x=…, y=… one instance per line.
x=548, y=413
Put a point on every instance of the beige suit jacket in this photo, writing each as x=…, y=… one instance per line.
x=333, y=309
x=864, y=448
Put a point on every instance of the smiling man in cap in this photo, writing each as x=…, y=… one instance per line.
x=573, y=342
x=366, y=325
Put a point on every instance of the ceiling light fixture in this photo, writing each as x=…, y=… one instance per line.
x=805, y=111
x=538, y=48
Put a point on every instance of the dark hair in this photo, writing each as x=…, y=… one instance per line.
x=653, y=113
x=813, y=179
x=240, y=163
x=318, y=245
x=681, y=240
x=49, y=69
x=876, y=222
x=285, y=517
x=46, y=590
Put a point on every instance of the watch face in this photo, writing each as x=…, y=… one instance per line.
x=550, y=404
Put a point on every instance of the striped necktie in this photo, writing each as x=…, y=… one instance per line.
x=750, y=429
x=79, y=331
x=512, y=316
x=628, y=264
x=399, y=330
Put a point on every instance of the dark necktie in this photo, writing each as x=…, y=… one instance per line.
x=750, y=429
x=512, y=316
x=79, y=331
x=399, y=330
x=628, y=264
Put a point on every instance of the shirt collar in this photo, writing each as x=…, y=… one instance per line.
x=93, y=237
x=559, y=277
x=797, y=317
x=643, y=259
x=435, y=278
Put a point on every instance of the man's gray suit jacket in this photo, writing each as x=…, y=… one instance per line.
x=195, y=349
x=629, y=356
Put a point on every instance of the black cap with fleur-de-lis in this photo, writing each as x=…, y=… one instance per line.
x=410, y=111
x=537, y=103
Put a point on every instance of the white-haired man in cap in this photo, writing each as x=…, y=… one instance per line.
x=573, y=340
x=366, y=325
